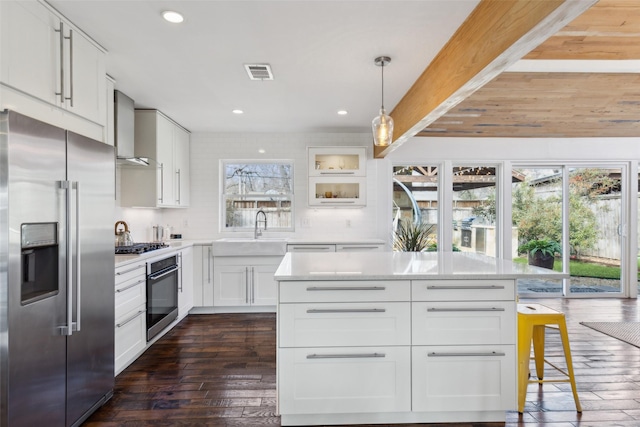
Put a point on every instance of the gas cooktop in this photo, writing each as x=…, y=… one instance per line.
x=139, y=248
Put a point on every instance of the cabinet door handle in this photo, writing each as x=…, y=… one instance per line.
x=120, y=325
x=437, y=287
x=180, y=264
x=487, y=354
x=61, y=31
x=347, y=310
x=253, y=285
x=178, y=173
x=337, y=173
x=130, y=286
x=465, y=309
x=119, y=273
x=209, y=265
x=246, y=285
x=70, y=38
x=346, y=288
x=161, y=199
x=345, y=356
x=335, y=202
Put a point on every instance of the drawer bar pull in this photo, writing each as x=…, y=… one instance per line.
x=492, y=353
x=347, y=310
x=345, y=356
x=120, y=325
x=131, y=286
x=465, y=309
x=346, y=288
x=119, y=273
x=436, y=287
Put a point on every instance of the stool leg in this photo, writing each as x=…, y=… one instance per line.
x=524, y=354
x=538, y=349
x=567, y=356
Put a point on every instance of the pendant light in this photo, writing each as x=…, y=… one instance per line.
x=382, y=125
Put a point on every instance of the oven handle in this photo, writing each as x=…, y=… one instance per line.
x=160, y=274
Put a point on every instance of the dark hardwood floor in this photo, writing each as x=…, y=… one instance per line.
x=219, y=370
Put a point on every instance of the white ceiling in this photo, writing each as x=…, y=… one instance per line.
x=321, y=53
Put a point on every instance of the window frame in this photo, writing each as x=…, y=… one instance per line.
x=224, y=196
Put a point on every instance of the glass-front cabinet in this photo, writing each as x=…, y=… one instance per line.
x=337, y=176
x=337, y=161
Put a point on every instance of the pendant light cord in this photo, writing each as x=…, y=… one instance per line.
x=382, y=67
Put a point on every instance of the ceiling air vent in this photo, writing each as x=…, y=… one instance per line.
x=259, y=71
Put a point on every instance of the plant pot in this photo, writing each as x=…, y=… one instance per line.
x=540, y=260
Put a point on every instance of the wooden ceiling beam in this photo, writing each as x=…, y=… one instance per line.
x=494, y=36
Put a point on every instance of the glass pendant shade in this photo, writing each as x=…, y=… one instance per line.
x=382, y=127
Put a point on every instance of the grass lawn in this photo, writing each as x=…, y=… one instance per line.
x=583, y=269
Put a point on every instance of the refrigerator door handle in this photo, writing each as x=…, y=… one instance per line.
x=78, y=258
x=68, y=328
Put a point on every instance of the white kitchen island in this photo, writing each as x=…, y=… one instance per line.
x=397, y=337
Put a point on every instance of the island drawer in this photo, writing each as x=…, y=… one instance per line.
x=345, y=291
x=463, y=323
x=476, y=378
x=463, y=290
x=344, y=380
x=345, y=324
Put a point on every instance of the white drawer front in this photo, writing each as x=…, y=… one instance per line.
x=463, y=323
x=472, y=378
x=344, y=380
x=130, y=295
x=345, y=291
x=130, y=271
x=130, y=337
x=345, y=324
x=463, y=290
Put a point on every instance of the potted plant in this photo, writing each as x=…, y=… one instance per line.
x=541, y=253
x=412, y=237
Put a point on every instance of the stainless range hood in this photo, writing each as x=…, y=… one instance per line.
x=125, y=130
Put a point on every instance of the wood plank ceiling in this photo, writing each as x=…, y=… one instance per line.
x=545, y=104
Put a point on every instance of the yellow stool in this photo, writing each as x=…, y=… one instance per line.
x=532, y=320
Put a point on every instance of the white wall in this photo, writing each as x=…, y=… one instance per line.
x=202, y=220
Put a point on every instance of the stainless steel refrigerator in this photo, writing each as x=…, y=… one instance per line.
x=56, y=274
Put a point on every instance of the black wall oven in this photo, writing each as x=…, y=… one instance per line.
x=162, y=294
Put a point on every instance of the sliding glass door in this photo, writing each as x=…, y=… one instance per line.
x=575, y=216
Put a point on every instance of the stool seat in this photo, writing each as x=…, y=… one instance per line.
x=532, y=321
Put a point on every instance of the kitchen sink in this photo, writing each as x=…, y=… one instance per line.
x=248, y=246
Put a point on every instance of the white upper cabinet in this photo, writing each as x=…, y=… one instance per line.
x=47, y=61
x=165, y=182
x=337, y=176
x=337, y=161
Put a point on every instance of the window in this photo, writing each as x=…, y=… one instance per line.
x=250, y=186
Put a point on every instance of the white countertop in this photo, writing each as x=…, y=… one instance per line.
x=403, y=265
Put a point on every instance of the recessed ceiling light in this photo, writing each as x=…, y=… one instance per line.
x=237, y=111
x=262, y=151
x=173, y=17
x=343, y=112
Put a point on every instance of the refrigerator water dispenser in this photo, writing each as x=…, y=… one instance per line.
x=39, y=244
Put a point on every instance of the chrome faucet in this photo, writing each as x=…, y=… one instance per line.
x=256, y=232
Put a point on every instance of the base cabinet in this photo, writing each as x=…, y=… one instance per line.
x=245, y=281
x=185, y=288
x=130, y=308
x=345, y=380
